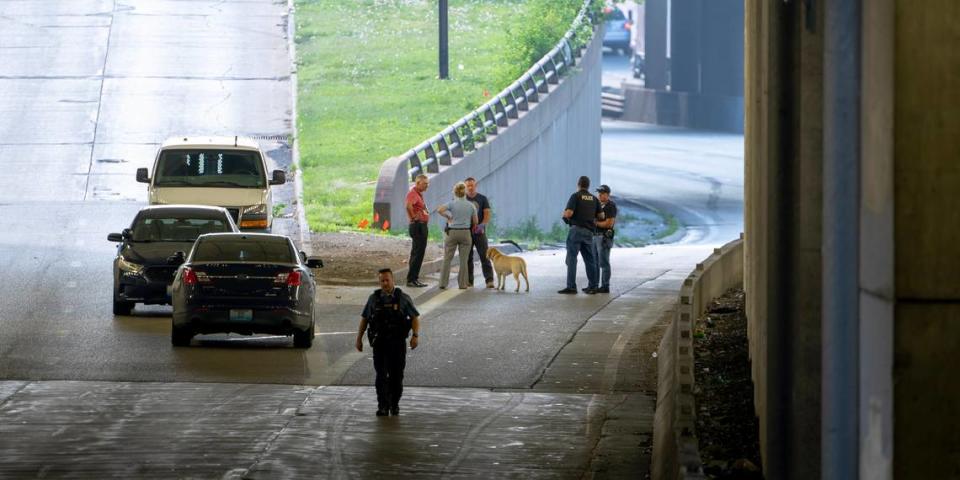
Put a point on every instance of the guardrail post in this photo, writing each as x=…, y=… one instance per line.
x=500, y=113
x=456, y=149
x=479, y=135
x=543, y=86
x=430, y=159
x=531, y=91
x=511, y=105
x=444, y=157
x=490, y=120
x=521, y=99
x=416, y=166
x=555, y=77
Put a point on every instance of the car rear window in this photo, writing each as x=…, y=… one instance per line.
x=209, y=168
x=243, y=250
x=615, y=14
x=176, y=229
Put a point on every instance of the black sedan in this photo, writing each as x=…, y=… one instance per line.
x=142, y=270
x=245, y=283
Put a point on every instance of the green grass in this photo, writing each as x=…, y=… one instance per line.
x=368, y=89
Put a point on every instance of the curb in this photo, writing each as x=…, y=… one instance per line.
x=295, y=144
x=676, y=453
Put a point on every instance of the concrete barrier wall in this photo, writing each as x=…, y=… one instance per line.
x=675, y=445
x=530, y=168
x=682, y=109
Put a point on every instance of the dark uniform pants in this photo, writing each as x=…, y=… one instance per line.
x=389, y=360
x=480, y=245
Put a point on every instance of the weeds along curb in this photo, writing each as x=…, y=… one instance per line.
x=676, y=454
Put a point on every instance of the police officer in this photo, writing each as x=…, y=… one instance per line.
x=603, y=239
x=388, y=318
x=581, y=215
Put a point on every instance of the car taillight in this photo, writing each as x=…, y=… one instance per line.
x=627, y=25
x=189, y=277
x=291, y=279
x=193, y=277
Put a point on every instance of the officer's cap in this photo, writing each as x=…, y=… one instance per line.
x=603, y=189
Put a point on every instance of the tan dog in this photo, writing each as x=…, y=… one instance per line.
x=504, y=265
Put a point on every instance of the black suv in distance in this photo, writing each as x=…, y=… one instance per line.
x=244, y=283
x=142, y=269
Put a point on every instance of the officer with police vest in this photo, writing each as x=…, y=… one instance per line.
x=388, y=318
x=581, y=214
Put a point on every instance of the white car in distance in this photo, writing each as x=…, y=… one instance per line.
x=229, y=172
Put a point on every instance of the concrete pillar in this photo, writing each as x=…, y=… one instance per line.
x=783, y=163
x=686, y=30
x=877, y=296
x=926, y=180
x=655, y=39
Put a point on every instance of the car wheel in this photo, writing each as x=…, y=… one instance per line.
x=180, y=336
x=303, y=338
x=122, y=308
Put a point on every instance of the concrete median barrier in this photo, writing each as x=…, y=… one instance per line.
x=675, y=445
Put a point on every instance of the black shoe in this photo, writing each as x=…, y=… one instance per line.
x=416, y=283
x=382, y=412
x=603, y=290
x=590, y=291
x=567, y=291
x=395, y=411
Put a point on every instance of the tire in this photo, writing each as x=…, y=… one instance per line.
x=180, y=336
x=122, y=308
x=303, y=338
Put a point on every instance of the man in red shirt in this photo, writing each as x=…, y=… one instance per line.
x=419, y=216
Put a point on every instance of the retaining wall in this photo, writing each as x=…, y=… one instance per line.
x=530, y=168
x=675, y=451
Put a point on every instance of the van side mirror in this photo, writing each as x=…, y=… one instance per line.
x=115, y=237
x=143, y=175
x=314, y=263
x=279, y=177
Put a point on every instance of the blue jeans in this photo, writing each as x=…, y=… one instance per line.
x=580, y=240
x=603, y=246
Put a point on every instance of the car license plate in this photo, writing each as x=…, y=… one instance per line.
x=241, y=315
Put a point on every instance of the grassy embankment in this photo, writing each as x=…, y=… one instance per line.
x=368, y=86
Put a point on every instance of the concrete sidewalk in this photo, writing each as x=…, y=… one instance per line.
x=585, y=416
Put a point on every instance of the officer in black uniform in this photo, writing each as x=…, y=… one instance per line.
x=388, y=318
x=581, y=214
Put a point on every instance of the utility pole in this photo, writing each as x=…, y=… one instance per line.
x=444, y=47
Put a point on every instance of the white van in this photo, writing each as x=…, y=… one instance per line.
x=229, y=172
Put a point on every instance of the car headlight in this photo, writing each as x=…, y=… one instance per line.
x=260, y=209
x=129, y=267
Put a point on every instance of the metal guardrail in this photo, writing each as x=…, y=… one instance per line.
x=467, y=133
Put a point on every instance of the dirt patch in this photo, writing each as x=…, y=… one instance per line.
x=726, y=426
x=355, y=257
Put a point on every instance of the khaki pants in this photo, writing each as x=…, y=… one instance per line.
x=456, y=241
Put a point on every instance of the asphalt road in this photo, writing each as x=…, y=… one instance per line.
x=78, y=119
x=693, y=175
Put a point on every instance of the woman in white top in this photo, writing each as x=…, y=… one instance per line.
x=461, y=215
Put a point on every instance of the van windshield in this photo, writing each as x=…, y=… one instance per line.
x=210, y=168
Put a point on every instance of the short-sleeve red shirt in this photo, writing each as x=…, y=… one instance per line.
x=419, y=206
